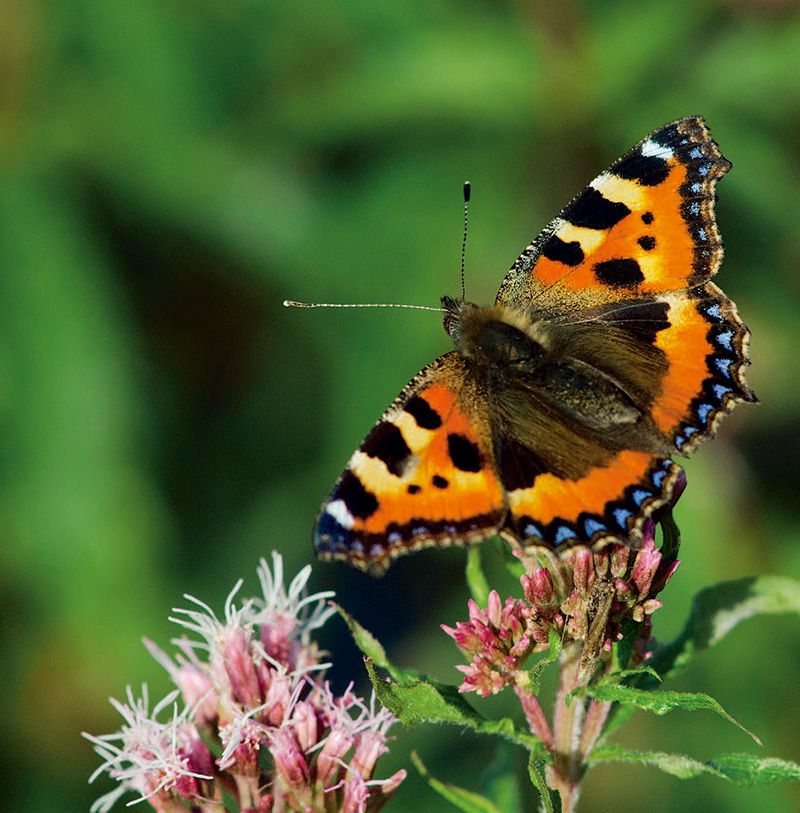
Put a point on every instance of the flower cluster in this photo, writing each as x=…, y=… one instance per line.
x=259, y=725
x=585, y=596
x=499, y=639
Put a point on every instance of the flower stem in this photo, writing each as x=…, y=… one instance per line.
x=537, y=722
x=566, y=772
x=596, y=717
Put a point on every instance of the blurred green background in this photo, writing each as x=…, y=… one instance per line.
x=171, y=170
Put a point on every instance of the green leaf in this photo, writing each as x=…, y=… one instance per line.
x=466, y=800
x=659, y=702
x=674, y=764
x=210, y=741
x=476, y=578
x=618, y=677
x=364, y=639
x=743, y=769
x=623, y=649
x=718, y=609
x=230, y=802
x=535, y=672
x=551, y=799
x=413, y=698
x=514, y=566
x=671, y=542
x=426, y=701
x=715, y=611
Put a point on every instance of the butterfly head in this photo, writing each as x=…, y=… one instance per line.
x=494, y=336
x=454, y=312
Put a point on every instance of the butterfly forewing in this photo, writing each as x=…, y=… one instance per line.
x=423, y=476
x=645, y=225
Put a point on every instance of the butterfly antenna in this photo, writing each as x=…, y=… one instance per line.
x=467, y=191
x=291, y=303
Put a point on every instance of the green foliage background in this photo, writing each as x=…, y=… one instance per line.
x=171, y=171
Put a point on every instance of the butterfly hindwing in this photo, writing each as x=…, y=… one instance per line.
x=424, y=475
x=707, y=348
x=609, y=502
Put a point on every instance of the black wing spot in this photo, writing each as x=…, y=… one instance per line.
x=360, y=502
x=413, y=489
x=591, y=210
x=423, y=413
x=648, y=170
x=387, y=444
x=464, y=453
x=439, y=481
x=648, y=243
x=567, y=253
x=647, y=218
x=619, y=273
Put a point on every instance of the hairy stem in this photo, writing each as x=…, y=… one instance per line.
x=537, y=722
x=566, y=772
x=596, y=717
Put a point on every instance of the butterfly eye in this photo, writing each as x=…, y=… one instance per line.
x=455, y=311
x=450, y=319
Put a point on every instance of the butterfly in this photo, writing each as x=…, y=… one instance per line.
x=554, y=419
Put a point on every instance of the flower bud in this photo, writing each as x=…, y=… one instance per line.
x=645, y=567
x=331, y=757
x=304, y=721
x=241, y=670
x=538, y=588
x=582, y=570
x=289, y=760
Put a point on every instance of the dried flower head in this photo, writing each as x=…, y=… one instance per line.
x=584, y=596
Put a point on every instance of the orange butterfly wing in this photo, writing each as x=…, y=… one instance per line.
x=636, y=250
x=644, y=226
x=423, y=476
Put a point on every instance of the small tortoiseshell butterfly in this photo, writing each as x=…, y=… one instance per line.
x=552, y=423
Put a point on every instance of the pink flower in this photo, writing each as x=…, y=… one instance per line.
x=331, y=758
x=155, y=760
x=289, y=759
x=306, y=725
x=241, y=739
x=287, y=617
x=499, y=639
x=564, y=596
x=372, y=734
x=191, y=677
x=252, y=680
x=538, y=588
x=241, y=668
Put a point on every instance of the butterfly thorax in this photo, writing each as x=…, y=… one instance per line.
x=523, y=363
